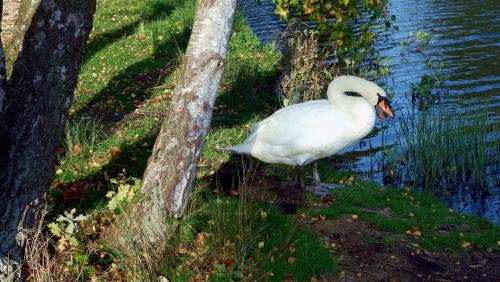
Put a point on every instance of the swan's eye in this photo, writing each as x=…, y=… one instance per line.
x=352, y=94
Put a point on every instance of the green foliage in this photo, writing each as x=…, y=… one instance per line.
x=347, y=24
x=308, y=74
x=64, y=228
x=125, y=192
x=440, y=152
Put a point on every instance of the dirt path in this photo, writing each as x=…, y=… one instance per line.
x=364, y=256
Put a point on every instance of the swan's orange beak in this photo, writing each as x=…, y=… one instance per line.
x=383, y=107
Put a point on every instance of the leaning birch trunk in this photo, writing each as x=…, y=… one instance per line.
x=16, y=18
x=38, y=95
x=171, y=168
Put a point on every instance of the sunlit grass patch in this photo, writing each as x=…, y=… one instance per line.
x=417, y=215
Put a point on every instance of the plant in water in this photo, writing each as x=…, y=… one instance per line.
x=443, y=152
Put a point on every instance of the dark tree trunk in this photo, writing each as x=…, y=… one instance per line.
x=38, y=95
x=171, y=168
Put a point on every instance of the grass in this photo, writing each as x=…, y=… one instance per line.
x=401, y=212
x=443, y=152
x=123, y=93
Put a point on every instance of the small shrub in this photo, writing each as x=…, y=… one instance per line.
x=308, y=73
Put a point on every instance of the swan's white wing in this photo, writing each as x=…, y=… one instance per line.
x=300, y=133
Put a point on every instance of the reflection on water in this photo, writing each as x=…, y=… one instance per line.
x=466, y=39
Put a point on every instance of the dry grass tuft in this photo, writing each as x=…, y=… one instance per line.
x=39, y=264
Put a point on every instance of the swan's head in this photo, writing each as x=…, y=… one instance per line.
x=354, y=86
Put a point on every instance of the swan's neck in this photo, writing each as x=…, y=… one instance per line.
x=341, y=101
x=358, y=108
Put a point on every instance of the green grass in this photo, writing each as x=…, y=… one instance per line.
x=405, y=209
x=441, y=152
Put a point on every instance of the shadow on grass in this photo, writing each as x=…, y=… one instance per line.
x=129, y=88
x=157, y=10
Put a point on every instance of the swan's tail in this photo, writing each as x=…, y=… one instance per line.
x=240, y=149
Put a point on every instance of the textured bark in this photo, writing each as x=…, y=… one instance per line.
x=3, y=76
x=38, y=94
x=171, y=168
x=16, y=18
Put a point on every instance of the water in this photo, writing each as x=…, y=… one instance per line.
x=466, y=38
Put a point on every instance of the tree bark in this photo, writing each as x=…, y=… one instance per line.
x=38, y=95
x=171, y=168
x=3, y=76
x=16, y=18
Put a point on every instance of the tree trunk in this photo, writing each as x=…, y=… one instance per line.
x=171, y=168
x=3, y=76
x=16, y=18
x=38, y=95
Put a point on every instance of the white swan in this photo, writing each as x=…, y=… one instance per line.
x=303, y=133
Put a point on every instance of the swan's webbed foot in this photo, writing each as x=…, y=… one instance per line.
x=321, y=189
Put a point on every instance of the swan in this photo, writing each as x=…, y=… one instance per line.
x=302, y=133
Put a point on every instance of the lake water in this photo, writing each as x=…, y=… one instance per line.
x=466, y=38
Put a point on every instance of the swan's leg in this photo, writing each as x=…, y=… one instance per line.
x=321, y=189
x=317, y=180
x=300, y=177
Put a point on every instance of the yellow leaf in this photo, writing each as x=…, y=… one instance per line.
x=291, y=260
x=340, y=42
x=354, y=216
x=59, y=171
x=411, y=214
x=466, y=244
x=282, y=12
x=263, y=214
x=322, y=217
x=261, y=244
x=346, y=2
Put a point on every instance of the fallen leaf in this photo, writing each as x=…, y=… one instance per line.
x=291, y=260
x=114, y=152
x=322, y=217
x=354, y=216
x=228, y=262
x=263, y=214
x=292, y=249
x=200, y=239
x=77, y=150
x=60, y=150
x=261, y=244
x=59, y=171
x=416, y=231
x=466, y=244
x=411, y=214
